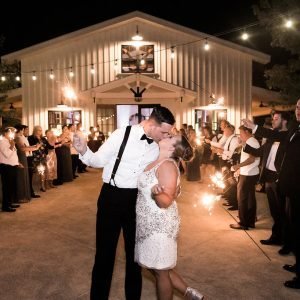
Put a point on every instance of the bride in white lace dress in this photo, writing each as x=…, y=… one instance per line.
x=157, y=219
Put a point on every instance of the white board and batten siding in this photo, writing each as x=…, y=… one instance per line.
x=225, y=70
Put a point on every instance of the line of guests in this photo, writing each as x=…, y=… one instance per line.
x=51, y=159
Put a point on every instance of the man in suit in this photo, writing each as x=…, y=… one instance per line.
x=272, y=154
x=289, y=180
x=117, y=199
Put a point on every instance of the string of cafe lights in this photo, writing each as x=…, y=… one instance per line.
x=244, y=36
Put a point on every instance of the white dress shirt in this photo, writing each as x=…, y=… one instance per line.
x=271, y=158
x=220, y=144
x=231, y=144
x=252, y=169
x=8, y=156
x=136, y=156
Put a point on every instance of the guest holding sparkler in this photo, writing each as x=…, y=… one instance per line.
x=39, y=155
x=157, y=219
x=248, y=171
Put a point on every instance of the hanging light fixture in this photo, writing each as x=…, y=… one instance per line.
x=137, y=37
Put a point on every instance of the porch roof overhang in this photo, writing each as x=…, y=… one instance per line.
x=123, y=88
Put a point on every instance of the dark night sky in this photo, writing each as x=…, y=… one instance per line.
x=34, y=23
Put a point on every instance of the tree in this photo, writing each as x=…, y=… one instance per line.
x=273, y=14
x=9, y=72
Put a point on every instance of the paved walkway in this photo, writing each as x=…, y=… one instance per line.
x=47, y=249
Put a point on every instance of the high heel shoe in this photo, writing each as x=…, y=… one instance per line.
x=193, y=294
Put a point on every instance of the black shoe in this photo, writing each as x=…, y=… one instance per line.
x=9, y=209
x=15, y=205
x=35, y=196
x=271, y=241
x=290, y=268
x=293, y=284
x=42, y=190
x=238, y=226
x=226, y=204
x=57, y=182
x=284, y=250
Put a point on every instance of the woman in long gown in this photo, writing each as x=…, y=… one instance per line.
x=157, y=219
x=23, y=183
x=51, y=160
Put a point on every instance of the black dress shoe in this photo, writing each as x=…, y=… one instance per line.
x=238, y=226
x=293, y=284
x=226, y=204
x=9, y=209
x=15, y=205
x=284, y=250
x=35, y=196
x=271, y=241
x=290, y=268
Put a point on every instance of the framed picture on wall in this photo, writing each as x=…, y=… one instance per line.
x=137, y=59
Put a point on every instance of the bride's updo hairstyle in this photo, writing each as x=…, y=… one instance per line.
x=183, y=149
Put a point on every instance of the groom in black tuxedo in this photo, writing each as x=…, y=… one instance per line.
x=289, y=180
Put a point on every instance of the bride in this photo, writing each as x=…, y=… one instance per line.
x=157, y=223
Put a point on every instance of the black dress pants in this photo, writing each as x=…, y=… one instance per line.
x=295, y=227
x=116, y=211
x=246, y=200
x=9, y=185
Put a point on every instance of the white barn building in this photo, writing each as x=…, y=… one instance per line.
x=113, y=84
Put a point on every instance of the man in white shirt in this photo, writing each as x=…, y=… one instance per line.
x=248, y=175
x=8, y=164
x=117, y=199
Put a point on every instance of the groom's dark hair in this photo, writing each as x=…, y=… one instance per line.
x=162, y=114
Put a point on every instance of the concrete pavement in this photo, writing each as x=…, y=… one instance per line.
x=47, y=249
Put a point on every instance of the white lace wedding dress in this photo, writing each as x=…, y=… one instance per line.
x=156, y=228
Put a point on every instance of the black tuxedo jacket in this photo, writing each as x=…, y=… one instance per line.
x=289, y=170
x=263, y=152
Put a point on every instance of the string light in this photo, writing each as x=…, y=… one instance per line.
x=34, y=77
x=206, y=45
x=289, y=24
x=244, y=36
x=172, y=52
x=51, y=76
x=71, y=73
x=138, y=38
x=93, y=70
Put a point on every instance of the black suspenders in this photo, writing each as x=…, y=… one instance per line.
x=119, y=156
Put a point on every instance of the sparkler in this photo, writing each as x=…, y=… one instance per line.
x=208, y=201
x=11, y=134
x=41, y=169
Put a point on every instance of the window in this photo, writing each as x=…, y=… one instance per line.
x=137, y=59
x=106, y=119
x=59, y=118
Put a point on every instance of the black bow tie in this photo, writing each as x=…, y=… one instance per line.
x=144, y=137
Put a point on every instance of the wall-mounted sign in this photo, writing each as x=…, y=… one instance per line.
x=137, y=59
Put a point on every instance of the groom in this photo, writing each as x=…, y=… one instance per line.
x=117, y=199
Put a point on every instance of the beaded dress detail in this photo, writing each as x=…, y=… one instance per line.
x=156, y=228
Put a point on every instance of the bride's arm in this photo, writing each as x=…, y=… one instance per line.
x=167, y=175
